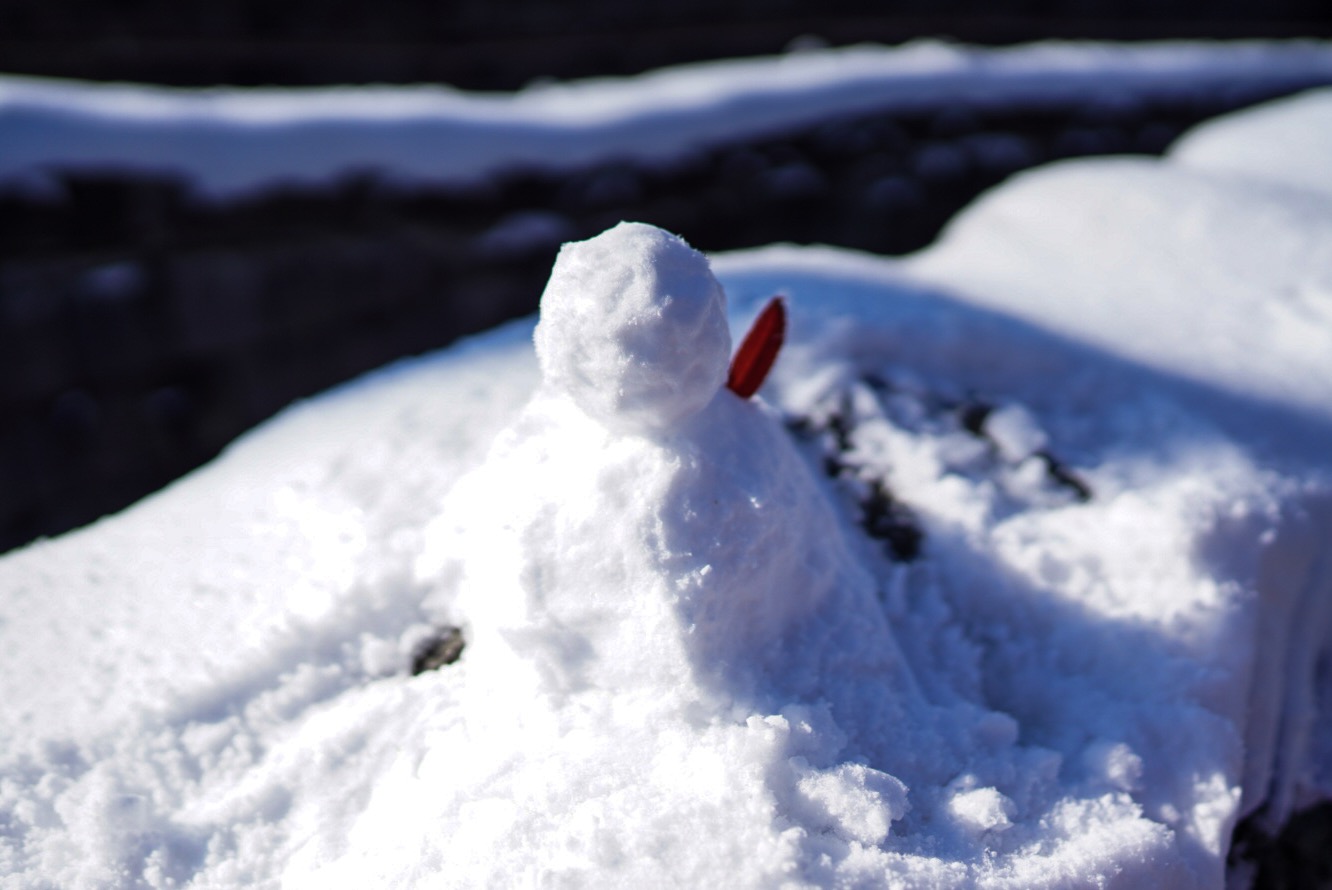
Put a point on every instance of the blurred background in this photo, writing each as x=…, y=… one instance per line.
x=504, y=44
x=142, y=329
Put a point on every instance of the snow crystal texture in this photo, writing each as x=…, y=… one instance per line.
x=633, y=328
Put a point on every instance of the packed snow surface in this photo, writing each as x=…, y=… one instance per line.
x=1014, y=575
x=228, y=141
x=633, y=328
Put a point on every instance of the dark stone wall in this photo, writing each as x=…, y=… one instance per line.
x=140, y=330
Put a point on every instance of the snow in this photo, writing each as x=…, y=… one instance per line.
x=1261, y=253
x=1014, y=432
x=1014, y=574
x=633, y=328
x=1286, y=142
x=230, y=142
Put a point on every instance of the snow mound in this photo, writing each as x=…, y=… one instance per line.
x=1015, y=575
x=665, y=536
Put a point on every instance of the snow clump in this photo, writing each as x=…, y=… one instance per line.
x=633, y=327
x=652, y=582
x=658, y=527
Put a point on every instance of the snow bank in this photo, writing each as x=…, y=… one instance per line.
x=1288, y=142
x=235, y=141
x=1262, y=254
x=992, y=586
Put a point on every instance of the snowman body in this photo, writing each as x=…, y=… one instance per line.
x=642, y=528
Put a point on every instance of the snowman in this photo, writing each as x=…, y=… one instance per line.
x=641, y=527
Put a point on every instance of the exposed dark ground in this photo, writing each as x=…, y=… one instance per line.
x=1299, y=857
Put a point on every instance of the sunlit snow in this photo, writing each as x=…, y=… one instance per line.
x=228, y=141
x=1014, y=574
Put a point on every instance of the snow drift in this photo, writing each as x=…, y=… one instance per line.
x=1014, y=575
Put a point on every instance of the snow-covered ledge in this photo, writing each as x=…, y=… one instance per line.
x=1015, y=574
x=229, y=142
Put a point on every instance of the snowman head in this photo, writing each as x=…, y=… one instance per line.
x=633, y=328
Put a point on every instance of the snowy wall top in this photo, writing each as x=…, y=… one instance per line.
x=227, y=141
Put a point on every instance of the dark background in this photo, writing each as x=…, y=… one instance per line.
x=141, y=329
x=486, y=44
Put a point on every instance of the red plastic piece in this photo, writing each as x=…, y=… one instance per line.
x=753, y=360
